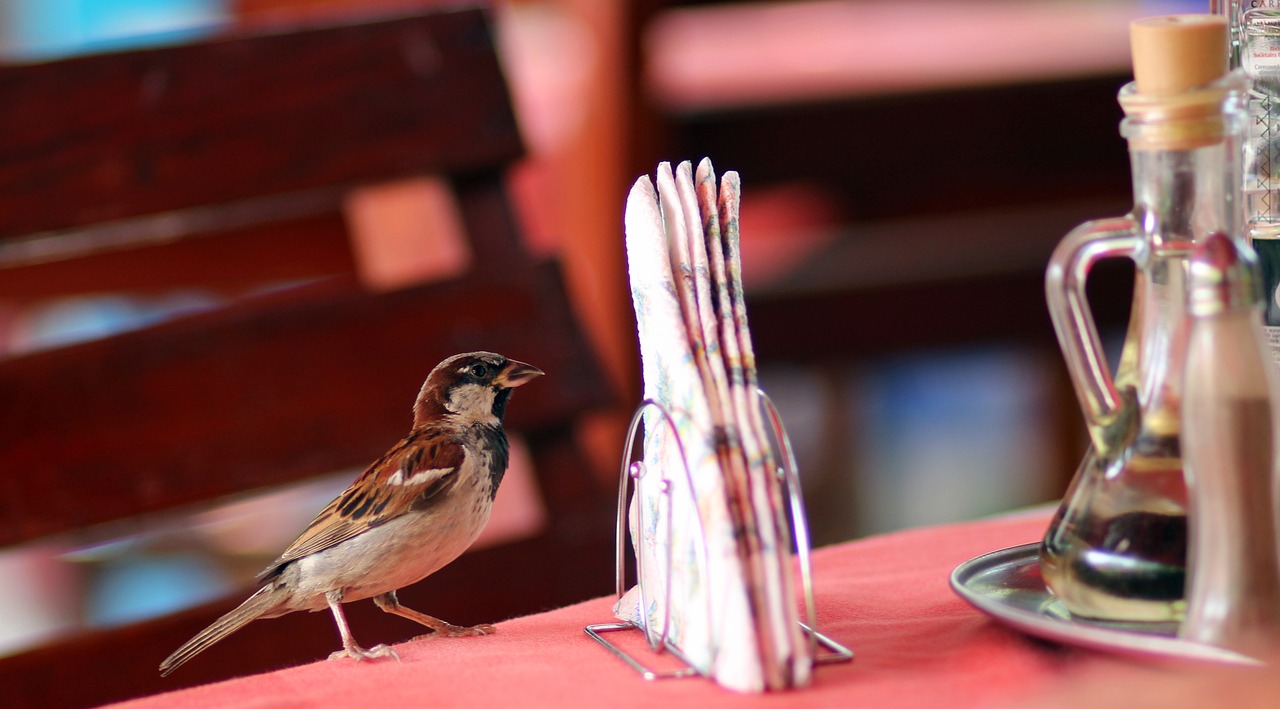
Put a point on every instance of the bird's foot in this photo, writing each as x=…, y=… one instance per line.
x=449, y=630
x=358, y=653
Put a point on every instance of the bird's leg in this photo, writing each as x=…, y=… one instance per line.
x=349, y=646
x=440, y=629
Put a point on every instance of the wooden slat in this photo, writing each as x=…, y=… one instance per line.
x=115, y=136
x=226, y=263
x=312, y=381
x=851, y=323
x=492, y=229
x=929, y=153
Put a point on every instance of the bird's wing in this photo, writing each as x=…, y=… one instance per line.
x=408, y=477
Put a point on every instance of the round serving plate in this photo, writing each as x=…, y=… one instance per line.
x=1007, y=586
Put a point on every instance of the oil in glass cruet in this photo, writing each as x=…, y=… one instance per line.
x=1116, y=549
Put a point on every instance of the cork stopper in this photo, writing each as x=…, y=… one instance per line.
x=1176, y=53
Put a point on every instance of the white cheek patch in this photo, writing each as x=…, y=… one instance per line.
x=472, y=400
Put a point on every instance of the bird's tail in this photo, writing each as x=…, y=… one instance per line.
x=254, y=607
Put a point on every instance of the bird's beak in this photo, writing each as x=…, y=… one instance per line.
x=517, y=373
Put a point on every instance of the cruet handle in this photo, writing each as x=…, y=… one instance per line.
x=1065, y=279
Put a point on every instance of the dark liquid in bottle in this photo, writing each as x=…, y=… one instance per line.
x=1136, y=555
x=1131, y=566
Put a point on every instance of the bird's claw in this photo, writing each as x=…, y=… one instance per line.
x=358, y=653
x=449, y=630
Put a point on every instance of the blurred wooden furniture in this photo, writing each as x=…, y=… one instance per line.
x=954, y=143
x=225, y=165
x=976, y=184
x=995, y=117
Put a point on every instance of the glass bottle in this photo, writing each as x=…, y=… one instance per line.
x=1230, y=440
x=1116, y=549
x=1255, y=49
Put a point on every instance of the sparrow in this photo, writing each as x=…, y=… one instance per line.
x=411, y=512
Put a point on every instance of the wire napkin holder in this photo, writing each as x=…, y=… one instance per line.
x=658, y=638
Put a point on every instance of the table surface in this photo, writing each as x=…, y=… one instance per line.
x=886, y=597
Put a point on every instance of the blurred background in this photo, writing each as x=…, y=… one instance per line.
x=907, y=168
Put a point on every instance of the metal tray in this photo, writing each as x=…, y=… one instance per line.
x=1006, y=585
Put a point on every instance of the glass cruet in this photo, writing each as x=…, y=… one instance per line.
x=1116, y=549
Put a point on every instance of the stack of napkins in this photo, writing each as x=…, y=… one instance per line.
x=714, y=550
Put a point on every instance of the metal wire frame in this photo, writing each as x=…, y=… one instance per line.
x=788, y=476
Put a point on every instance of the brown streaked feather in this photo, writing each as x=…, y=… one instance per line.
x=264, y=602
x=372, y=500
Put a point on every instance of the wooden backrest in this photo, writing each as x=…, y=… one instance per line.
x=144, y=132
x=228, y=162
x=254, y=130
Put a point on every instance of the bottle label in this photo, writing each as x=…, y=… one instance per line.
x=1260, y=37
x=1259, y=33
x=1260, y=58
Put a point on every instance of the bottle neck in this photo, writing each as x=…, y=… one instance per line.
x=1185, y=158
x=1181, y=196
x=1185, y=153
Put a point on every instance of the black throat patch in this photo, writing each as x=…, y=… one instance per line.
x=494, y=440
x=501, y=395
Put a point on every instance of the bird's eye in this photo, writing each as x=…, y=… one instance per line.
x=479, y=371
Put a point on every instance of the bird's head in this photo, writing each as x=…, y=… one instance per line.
x=474, y=386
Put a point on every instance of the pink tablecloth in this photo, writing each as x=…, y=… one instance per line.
x=886, y=597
